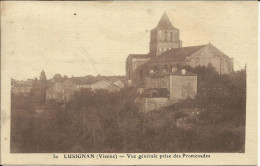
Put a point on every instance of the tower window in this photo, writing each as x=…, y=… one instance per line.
x=160, y=35
x=184, y=93
x=165, y=36
x=129, y=77
x=171, y=37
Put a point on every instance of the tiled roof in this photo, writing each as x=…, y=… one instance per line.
x=176, y=54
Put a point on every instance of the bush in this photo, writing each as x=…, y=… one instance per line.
x=179, y=114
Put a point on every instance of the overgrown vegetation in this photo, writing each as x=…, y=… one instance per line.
x=110, y=122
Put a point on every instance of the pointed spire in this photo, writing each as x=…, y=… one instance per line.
x=165, y=22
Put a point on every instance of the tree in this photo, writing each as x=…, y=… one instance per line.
x=57, y=78
x=39, y=90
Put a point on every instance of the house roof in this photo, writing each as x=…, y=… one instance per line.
x=139, y=56
x=217, y=51
x=105, y=83
x=81, y=81
x=66, y=85
x=176, y=54
x=177, y=73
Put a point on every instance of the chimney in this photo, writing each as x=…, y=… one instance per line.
x=183, y=71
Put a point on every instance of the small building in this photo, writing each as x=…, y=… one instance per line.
x=21, y=87
x=176, y=84
x=81, y=84
x=21, y=90
x=106, y=85
x=61, y=91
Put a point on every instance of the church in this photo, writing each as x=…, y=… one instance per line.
x=167, y=55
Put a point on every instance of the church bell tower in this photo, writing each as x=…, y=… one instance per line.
x=164, y=37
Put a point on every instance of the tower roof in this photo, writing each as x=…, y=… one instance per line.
x=165, y=22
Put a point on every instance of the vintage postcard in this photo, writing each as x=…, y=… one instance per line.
x=119, y=83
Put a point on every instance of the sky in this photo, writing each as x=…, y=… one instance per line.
x=89, y=38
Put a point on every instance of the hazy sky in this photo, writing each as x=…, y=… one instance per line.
x=90, y=38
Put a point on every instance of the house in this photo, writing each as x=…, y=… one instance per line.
x=23, y=88
x=174, y=85
x=83, y=86
x=19, y=90
x=162, y=88
x=106, y=85
x=167, y=51
x=81, y=82
x=61, y=91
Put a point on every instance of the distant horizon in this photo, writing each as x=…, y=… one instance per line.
x=49, y=78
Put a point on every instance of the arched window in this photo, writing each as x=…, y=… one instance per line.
x=171, y=37
x=160, y=35
x=165, y=36
x=129, y=77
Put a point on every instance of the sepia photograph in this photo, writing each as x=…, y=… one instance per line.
x=128, y=77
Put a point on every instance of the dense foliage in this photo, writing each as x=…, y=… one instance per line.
x=110, y=122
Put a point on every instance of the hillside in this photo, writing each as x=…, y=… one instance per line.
x=103, y=121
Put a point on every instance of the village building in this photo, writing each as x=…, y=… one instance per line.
x=163, y=88
x=83, y=86
x=56, y=78
x=81, y=83
x=166, y=52
x=61, y=91
x=21, y=88
x=105, y=85
x=175, y=85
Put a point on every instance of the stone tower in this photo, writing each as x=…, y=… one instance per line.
x=164, y=37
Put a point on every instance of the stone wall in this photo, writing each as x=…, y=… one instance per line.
x=157, y=82
x=182, y=87
x=149, y=104
x=132, y=65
